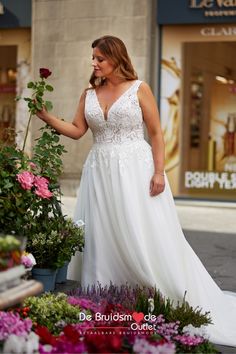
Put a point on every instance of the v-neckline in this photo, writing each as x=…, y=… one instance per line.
x=105, y=118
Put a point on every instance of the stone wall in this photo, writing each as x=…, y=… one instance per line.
x=62, y=33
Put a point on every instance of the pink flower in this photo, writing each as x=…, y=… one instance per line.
x=11, y=323
x=43, y=193
x=28, y=260
x=26, y=179
x=32, y=165
x=41, y=182
x=189, y=340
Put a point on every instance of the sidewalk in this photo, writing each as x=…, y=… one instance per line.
x=198, y=216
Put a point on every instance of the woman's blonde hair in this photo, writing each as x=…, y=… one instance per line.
x=114, y=49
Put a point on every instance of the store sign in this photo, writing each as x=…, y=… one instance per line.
x=210, y=180
x=215, y=32
x=196, y=11
x=199, y=4
x=215, y=7
x=15, y=13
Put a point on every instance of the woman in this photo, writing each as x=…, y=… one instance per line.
x=132, y=233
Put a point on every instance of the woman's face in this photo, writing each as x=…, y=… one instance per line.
x=102, y=66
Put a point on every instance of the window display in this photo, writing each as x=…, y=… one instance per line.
x=204, y=161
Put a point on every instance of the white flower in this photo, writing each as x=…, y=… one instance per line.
x=196, y=331
x=151, y=305
x=18, y=345
x=31, y=257
x=79, y=223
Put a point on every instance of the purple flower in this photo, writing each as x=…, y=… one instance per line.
x=11, y=323
x=83, y=303
x=26, y=262
x=189, y=340
x=142, y=346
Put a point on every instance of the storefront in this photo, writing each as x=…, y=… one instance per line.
x=198, y=96
x=15, y=48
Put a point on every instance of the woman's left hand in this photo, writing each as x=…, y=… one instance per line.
x=157, y=185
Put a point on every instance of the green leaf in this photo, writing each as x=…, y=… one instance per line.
x=39, y=106
x=49, y=88
x=17, y=98
x=31, y=104
x=27, y=99
x=30, y=84
x=39, y=98
x=48, y=105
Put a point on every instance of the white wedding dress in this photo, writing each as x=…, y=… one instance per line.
x=130, y=236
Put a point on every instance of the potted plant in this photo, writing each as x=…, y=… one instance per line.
x=53, y=241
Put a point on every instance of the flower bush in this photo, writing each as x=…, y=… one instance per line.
x=30, y=194
x=52, y=311
x=58, y=238
x=29, y=185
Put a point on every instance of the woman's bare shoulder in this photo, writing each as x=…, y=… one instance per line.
x=145, y=90
x=144, y=87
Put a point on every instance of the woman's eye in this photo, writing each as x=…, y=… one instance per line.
x=100, y=60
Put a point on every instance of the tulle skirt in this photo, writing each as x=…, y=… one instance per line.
x=133, y=238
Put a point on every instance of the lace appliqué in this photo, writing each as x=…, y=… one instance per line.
x=101, y=156
x=119, y=139
x=124, y=121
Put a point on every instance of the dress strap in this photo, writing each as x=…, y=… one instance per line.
x=136, y=85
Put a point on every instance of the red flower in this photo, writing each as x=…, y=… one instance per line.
x=71, y=333
x=45, y=336
x=44, y=73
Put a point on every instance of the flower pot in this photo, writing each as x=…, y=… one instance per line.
x=46, y=276
x=62, y=274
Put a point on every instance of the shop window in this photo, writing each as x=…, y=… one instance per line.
x=208, y=156
x=8, y=59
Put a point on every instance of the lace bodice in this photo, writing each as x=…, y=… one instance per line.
x=124, y=121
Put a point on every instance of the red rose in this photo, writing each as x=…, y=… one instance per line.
x=44, y=73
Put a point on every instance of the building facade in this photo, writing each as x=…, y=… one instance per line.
x=184, y=50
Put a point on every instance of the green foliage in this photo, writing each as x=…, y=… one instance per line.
x=54, y=240
x=186, y=314
x=9, y=243
x=20, y=208
x=50, y=309
x=35, y=102
x=182, y=312
x=24, y=209
x=47, y=154
x=14, y=201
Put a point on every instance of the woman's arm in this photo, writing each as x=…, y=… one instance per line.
x=151, y=118
x=74, y=130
